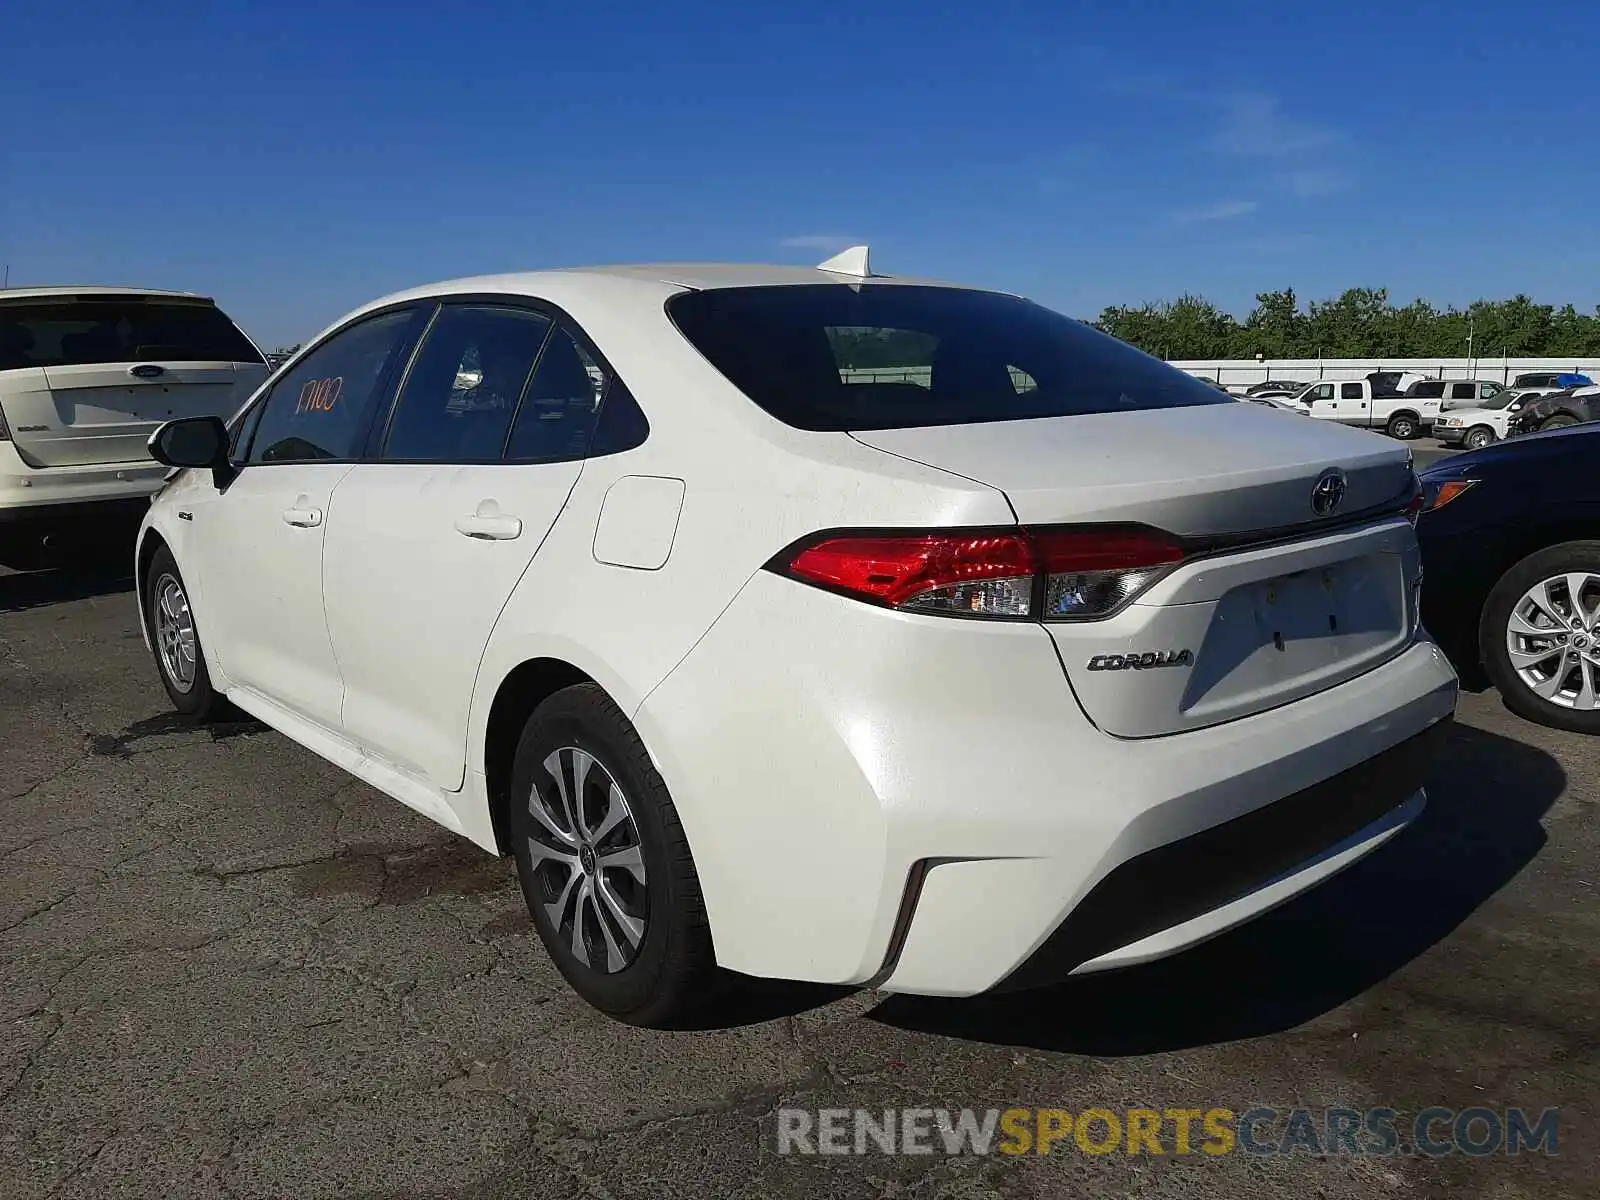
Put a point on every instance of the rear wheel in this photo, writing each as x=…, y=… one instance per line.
x=176, y=641
x=1540, y=637
x=1478, y=437
x=1559, y=421
x=604, y=863
x=1403, y=425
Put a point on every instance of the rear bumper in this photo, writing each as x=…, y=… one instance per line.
x=1199, y=886
x=81, y=512
x=1230, y=839
x=920, y=804
x=54, y=494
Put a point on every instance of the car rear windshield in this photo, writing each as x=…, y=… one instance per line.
x=77, y=330
x=837, y=357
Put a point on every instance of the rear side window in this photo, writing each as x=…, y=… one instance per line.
x=1429, y=389
x=81, y=330
x=835, y=357
x=622, y=423
x=1349, y=391
x=1464, y=391
x=463, y=388
x=559, y=411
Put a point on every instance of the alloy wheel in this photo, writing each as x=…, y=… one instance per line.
x=1553, y=640
x=1478, y=439
x=174, y=632
x=587, y=861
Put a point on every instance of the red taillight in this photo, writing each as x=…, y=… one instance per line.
x=1054, y=574
x=1105, y=550
x=969, y=572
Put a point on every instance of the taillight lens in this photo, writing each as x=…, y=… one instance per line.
x=1091, y=573
x=5, y=434
x=1047, y=574
x=986, y=573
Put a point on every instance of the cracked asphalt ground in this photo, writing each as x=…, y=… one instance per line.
x=227, y=969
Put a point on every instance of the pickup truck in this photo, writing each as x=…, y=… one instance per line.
x=1553, y=410
x=1369, y=405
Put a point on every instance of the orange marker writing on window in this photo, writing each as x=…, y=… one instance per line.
x=320, y=395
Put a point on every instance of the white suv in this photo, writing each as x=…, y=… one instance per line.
x=1040, y=658
x=86, y=375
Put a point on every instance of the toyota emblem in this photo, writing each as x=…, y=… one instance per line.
x=1328, y=492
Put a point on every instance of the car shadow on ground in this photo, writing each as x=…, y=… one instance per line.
x=1487, y=795
x=81, y=579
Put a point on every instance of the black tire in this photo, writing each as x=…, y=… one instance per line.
x=1403, y=425
x=195, y=697
x=672, y=970
x=1559, y=421
x=1517, y=695
x=1478, y=437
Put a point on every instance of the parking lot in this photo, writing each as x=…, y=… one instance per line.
x=226, y=968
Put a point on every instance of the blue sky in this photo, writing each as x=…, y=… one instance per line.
x=295, y=160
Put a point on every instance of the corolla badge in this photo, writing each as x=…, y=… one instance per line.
x=1328, y=492
x=1141, y=662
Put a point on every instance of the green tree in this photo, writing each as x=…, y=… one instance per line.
x=1361, y=323
x=1274, y=329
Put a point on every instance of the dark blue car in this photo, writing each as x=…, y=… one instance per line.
x=1510, y=540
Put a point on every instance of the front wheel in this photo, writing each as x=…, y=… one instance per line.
x=1559, y=421
x=1478, y=437
x=180, y=661
x=1403, y=426
x=604, y=863
x=1539, y=637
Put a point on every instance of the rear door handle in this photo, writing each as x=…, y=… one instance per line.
x=489, y=528
x=303, y=518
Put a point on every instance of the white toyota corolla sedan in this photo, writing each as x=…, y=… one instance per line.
x=810, y=623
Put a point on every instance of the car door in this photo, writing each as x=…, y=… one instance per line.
x=428, y=538
x=260, y=539
x=1320, y=402
x=1355, y=404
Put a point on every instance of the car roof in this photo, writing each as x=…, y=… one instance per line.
x=707, y=276
x=64, y=290
x=650, y=279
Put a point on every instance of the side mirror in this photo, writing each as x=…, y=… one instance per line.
x=197, y=442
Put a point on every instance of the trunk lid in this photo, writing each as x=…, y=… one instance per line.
x=1203, y=471
x=86, y=378
x=1276, y=601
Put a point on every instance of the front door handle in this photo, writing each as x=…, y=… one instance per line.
x=303, y=518
x=489, y=528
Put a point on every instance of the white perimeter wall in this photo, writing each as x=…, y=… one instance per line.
x=1501, y=370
